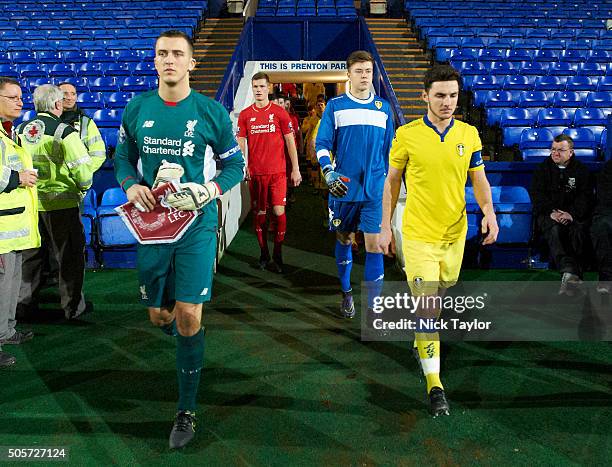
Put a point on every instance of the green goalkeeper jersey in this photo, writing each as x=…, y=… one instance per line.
x=194, y=133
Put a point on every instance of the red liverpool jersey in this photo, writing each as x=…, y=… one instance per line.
x=264, y=129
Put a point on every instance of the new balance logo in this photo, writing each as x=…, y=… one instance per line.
x=188, y=148
x=253, y=119
x=204, y=291
x=148, y=124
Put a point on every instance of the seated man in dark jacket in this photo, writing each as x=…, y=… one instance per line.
x=601, y=230
x=561, y=198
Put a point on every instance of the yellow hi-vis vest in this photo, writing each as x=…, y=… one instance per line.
x=18, y=208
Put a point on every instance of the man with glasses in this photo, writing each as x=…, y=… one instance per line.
x=561, y=194
x=18, y=215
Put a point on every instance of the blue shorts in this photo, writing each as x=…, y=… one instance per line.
x=347, y=216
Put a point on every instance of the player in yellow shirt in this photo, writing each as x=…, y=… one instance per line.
x=437, y=153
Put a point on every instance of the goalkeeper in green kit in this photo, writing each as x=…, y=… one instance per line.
x=175, y=133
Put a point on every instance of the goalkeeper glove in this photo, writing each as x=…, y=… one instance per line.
x=168, y=172
x=193, y=196
x=335, y=182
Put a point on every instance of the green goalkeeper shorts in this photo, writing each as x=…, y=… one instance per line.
x=180, y=271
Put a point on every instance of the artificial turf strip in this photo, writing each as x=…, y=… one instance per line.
x=287, y=383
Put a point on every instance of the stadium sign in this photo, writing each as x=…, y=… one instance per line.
x=301, y=66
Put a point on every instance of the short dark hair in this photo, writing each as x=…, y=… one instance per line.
x=440, y=73
x=172, y=33
x=64, y=83
x=321, y=97
x=359, y=56
x=278, y=96
x=563, y=137
x=4, y=80
x=260, y=75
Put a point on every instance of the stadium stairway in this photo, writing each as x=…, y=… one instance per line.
x=404, y=61
x=214, y=46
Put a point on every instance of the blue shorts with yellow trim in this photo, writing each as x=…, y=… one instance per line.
x=348, y=216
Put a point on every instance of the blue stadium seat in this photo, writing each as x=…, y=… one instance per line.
x=601, y=99
x=98, y=56
x=513, y=209
x=534, y=99
x=605, y=84
x=536, y=138
x=548, y=83
x=485, y=83
x=599, y=56
x=589, y=117
x=503, y=68
x=88, y=216
x=118, y=69
x=124, y=56
x=112, y=231
x=33, y=83
x=546, y=55
x=306, y=11
x=23, y=57
x=91, y=69
x=511, y=135
x=573, y=55
x=324, y=11
x=568, y=99
x=491, y=55
x=580, y=83
x=583, y=138
x=33, y=71
x=520, y=55
x=110, y=137
x=104, y=84
x=62, y=70
x=49, y=56
x=518, y=82
x=134, y=84
x=553, y=117
x=516, y=117
x=8, y=71
x=145, y=69
x=117, y=100
x=499, y=99
x=590, y=69
x=562, y=69
x=74, y=56
x=107, y=118
x=531, y=68
x=90, y=100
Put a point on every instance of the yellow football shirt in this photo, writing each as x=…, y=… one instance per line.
x=436, y=166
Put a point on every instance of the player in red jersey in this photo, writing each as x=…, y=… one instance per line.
x=266, y=128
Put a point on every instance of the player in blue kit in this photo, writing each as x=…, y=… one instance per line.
x=357, y=128
x=174, y=133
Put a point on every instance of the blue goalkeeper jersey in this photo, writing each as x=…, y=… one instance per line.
x=359, y=133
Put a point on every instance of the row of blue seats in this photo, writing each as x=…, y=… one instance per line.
x=345, y=12
x=545, y=57
x=104, y=118
x=103, y=84
x=515, y=43
x=536, y=83
x=563, y=99
x=475, y=79
x=514, y=32
x=554, y=116
x=305, y=3
x=573, y=64
x=508, y=5
x=94, y=7
x=17, y=19
x=467, y=20
x=74, y=58
x=108, y=70
x=30, y=26
x=75, y=34
x=535, y=143
x=67, y=45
